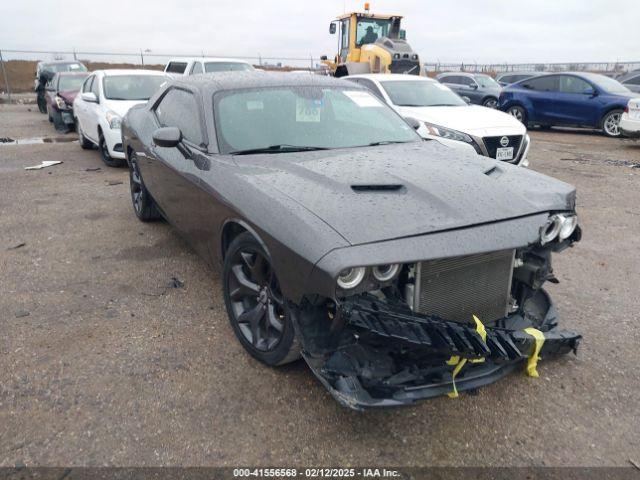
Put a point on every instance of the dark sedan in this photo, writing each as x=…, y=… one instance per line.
x=568, y=99
x=61, y=91
x=400, y=269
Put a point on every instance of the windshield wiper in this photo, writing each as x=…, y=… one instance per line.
x=386, y=142
x=283, y=148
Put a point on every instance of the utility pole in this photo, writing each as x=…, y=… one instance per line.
x=141, y=57
x=6, y=79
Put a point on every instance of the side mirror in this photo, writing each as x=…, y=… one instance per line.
x=171, y=137
x=332, y=28
x=89, y=97
x=167, y=137
x=473, y=86
x=590, y=91
x=466, y=99
x=415, y=124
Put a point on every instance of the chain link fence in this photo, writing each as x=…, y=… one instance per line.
x=17, y=67
x=608, y=68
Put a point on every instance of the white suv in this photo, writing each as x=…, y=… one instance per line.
x=197, y=65
x=105, y=97
x=630, y=121
x=446, y=117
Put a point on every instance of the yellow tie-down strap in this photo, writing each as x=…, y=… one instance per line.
x=459, y=363
x=532, y=363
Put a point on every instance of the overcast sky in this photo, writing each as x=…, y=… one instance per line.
x=446, y=30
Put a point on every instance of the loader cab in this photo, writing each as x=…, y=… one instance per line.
x=357, y=29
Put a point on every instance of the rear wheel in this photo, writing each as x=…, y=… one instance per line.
x=257, y=309
x=610, y=123
x=104, y=153
x=49, y=115
x=518, y=113
x=490, y=102
x=143, y=204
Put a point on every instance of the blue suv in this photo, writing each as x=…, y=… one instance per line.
x=568, y=99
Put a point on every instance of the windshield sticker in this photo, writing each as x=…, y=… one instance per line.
x=363, y=99
x=308, y=110
x=255, y=105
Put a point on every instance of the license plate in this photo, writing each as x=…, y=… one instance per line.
x=505, y=153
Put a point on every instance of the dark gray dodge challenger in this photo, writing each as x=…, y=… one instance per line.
x=400, y=269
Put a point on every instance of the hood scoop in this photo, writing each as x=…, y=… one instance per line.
x=378, y=188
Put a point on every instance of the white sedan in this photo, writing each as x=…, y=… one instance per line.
x=630, y=121
x=448, y=118
x=105, y=97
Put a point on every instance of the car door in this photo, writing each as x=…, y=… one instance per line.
x=80, y=106
x=174, y=179
x=93, y=111
x=575, y=103
x=50, y=92
x=454, y=82
x=540, y=93
x=470, y=88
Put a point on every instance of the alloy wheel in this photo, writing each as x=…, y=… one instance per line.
x=136, y=186
x=611, y=124
x=517, y=113
x=256, y=300
x=491, y=103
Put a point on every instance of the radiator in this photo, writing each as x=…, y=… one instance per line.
x=459, y=287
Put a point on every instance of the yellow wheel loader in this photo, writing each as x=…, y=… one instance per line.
x=371, y=43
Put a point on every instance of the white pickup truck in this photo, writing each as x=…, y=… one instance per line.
x=630, y=121
x=196, y=65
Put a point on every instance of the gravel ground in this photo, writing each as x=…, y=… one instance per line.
x=103, y=363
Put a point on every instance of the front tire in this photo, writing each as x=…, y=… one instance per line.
x=519, y=113
x=104, y=153
x=490, y=102
x=258, y=312
x=143, y=204
x=610, y=123
x=84, y=142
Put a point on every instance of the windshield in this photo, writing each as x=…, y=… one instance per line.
x=368, y=30
x=211, y=67
x=421, y=94
x=69, y=83
x=485, y=81
x=305, y=117
x=609, y=84
x=131, y=87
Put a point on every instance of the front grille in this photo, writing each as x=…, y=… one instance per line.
x=493, y=143
x=459, y=287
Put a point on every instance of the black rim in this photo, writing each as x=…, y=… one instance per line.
x=256, y=301
x=136, y=186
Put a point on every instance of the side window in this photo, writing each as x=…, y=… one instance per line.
x=542, y=84
x=571, y=84
x=179, y=109
x=86, y=86
x=94, y=87
x=451, y=79
x=196, y=69
x=176, y=67
x=466, y=81
x=633, y=81
x=365, y=82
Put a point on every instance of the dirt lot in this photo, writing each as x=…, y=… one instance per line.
x=101, y=363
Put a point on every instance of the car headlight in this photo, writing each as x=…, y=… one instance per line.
x=351, y=277
x=449, y=134
x=114, y=120
x=384, y=273
x=62, y=105
x=568, y=224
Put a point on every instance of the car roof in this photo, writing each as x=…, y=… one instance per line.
x=392, y=77
x=133, y=71
x=533, y=74
x=208, y=59
x=210, y=83
x=73, y=74
x=61, y=62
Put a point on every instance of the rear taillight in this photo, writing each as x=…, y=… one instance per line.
x=626, y=109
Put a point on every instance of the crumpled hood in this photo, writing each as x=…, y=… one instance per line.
x=468, y=119
x=440, y=188
x=69, y=96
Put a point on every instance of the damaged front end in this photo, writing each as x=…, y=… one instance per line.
x=436, y=328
